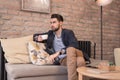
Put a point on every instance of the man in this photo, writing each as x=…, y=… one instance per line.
x=61, y=43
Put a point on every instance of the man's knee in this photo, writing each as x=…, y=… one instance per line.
x=71, y=51
x=74, y=52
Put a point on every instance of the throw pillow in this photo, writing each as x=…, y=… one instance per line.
x=16, y=49
x=37, y=54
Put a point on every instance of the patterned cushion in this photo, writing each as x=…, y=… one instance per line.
x=37, y=54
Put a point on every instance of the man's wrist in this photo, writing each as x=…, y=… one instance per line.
x=62, y=51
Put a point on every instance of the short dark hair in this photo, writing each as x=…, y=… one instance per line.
x=58, y=16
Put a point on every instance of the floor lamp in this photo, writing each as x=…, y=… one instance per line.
x=102, y=3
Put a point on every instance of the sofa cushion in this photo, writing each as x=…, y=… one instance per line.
x=30, y=70
x=16, y=49
x=38, y=55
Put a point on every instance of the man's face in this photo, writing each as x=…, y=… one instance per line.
x=55, y=24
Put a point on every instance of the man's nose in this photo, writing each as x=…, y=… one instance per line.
x=51, y=24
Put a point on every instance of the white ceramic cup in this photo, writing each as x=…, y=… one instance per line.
x=44, y=37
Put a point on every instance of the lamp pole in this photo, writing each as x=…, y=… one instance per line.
x=102, y=3
x=101, y=30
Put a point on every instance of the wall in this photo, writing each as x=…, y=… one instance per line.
x=82, y=16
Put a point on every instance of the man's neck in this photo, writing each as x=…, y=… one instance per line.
x=58, y=33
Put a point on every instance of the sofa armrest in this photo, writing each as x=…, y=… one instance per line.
x=3, y=74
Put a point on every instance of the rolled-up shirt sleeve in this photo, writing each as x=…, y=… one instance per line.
x=62, y=56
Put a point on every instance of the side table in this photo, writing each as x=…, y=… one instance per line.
x=96, y=73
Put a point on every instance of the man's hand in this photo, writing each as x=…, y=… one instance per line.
x=53, y=56
x=38, y=38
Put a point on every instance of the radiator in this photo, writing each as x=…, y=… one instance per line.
x=85, y=47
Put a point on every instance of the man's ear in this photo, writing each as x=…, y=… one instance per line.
x=61, y=23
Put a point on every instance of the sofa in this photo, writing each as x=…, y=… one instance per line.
x=17, y=66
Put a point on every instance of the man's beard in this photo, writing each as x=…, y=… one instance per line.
x=56, y=29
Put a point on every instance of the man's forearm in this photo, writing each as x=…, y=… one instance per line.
x=35, y=37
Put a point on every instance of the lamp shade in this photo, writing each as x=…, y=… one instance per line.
x=103, y=2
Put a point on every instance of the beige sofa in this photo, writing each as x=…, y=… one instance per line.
x=19, y=67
